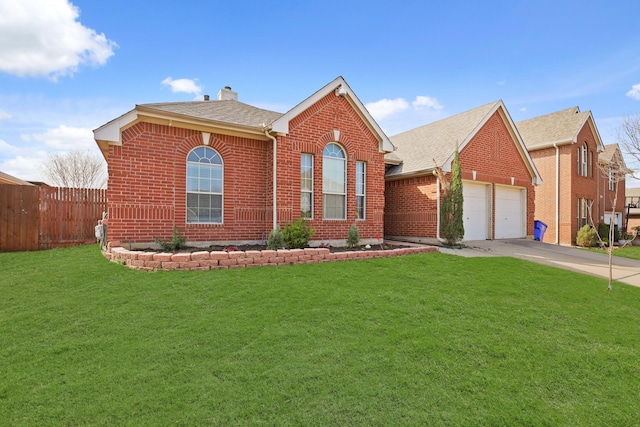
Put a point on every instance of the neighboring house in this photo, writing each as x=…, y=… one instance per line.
x=632, y=208
x=226, y=172
x=565, y=147
x=610, y=160
x=5, y=178
x=498, y=177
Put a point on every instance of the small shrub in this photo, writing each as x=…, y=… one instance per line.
x=353, y=238
x=603, y=231
x=586, y=237
x=276, y=239
x=297, y=234
x=177, y=241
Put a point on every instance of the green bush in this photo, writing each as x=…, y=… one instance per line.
x=353, y=238
x=297, y=234
x=177, y=241
x=586, y=237
x=276, y=239
x=603, y=231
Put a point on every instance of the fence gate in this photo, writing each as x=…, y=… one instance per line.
x=19, y=218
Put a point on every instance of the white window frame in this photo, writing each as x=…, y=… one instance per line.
x=584, y=159
x=303, y=190
x=611, y=180
x=328, y=159
x=361, y=193
x=199, y=192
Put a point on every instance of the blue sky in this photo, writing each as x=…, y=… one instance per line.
x=68, y=67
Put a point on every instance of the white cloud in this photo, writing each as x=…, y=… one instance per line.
x=4, y=115
x=45, y=38
x=634, y=92
x=183, y=85
x=386, y=107
x=398, y=115
x=422, y=102
x=21, y=162
x=64, y=138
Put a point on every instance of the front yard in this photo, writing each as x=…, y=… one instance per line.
x=632, y=252
x=421, y=340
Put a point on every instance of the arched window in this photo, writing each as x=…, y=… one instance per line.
x=584, y=159
x=334, y=187
x=204, y=186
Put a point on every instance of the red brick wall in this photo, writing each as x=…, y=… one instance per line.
x=411, y=208
x=572, y=187
x=309, y=133
x=147, y=179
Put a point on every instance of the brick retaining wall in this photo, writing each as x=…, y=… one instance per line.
x=205, y=260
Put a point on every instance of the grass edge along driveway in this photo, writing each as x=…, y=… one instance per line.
x=424, y=339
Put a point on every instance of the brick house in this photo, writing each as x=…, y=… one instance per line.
x=498, y=177
x=609, y=159
x=226, y=172
x=566, y=148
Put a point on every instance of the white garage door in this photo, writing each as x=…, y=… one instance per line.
x=510, y=213
x=475, y=211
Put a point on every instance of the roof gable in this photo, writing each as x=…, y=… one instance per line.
x=559, y=128
x=340, y=87
x=424, y=148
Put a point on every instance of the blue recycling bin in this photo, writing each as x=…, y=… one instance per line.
x=538, y=230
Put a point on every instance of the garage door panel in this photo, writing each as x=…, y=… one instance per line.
x=475, y=211
x=510, y=217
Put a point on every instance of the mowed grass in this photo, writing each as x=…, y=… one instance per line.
x=420, y=340
x=632, y=252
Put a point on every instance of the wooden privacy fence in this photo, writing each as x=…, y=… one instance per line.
x=33, y=218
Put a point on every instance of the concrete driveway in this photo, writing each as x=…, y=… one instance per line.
x=624, y=270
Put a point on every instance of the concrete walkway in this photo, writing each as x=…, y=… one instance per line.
x=624, y=270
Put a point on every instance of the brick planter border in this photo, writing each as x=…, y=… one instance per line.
x=204, y=260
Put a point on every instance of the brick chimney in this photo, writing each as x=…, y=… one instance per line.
x=226, y=94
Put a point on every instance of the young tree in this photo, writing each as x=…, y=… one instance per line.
x=614, y=171
x=451, y=224
x=75, y=169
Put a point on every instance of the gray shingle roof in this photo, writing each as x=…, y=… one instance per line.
x=428, y=146
x=607, y=155
x=561, y=127
x=228, y=111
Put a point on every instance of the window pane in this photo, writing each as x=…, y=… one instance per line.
x=333, y=206
x=360, y=207
x=305, y=205
x=333, y=176
x=306, y=172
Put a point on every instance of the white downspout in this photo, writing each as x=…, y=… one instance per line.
x=440, y=239
x=275, y=177
x=557, y=193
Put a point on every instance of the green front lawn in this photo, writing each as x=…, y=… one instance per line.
x=632, y=252
x=419, y=340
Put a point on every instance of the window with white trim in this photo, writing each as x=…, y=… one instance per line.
x=612, y=183
x=334, y=186
x=204, y=186
x=306, y=185
x=583, y=210
x=361, y=189
x=584, y=160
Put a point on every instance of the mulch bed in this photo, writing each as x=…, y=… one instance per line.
x=245, y=248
